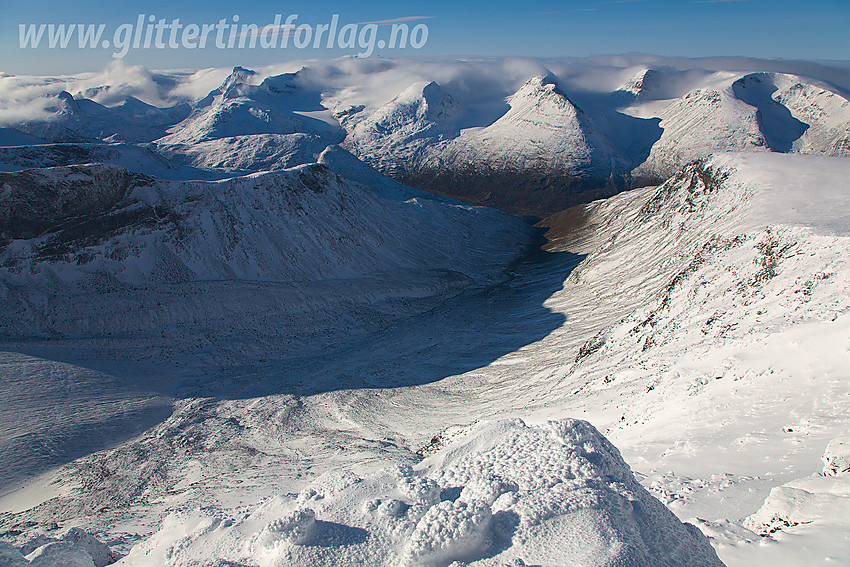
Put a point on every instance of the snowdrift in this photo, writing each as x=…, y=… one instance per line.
x=505, y=493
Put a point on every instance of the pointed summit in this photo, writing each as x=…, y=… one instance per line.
x=278, y=106
x=422, y=102
x=433, y=92
x=230, y=87
x=543, y=82
x=542, y=89
x=67, y=104
x=541, y=103
x=422, y=114
x=424, y=109
x=642, y=84
x=239, y=75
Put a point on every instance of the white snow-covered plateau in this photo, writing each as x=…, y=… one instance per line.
x=496, y=312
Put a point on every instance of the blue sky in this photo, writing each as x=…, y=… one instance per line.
x=816, y=29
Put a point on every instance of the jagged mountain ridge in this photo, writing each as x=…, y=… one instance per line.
x=238, y=108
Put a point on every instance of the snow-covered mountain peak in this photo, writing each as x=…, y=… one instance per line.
x=439, y=104
x=756, y=84
x=825, y=112
x=285, y=83
x=278, y=106
x=393, y=137
x=65, y=119
x=133, y=105
x=67, y=104
x=642, y=84
x=704, y=121
x=542, y=90
x=414, y=124
x=231, y=87
x=541, y=110
x=543, y=135
x=425, y=104
x=238, y=76
x=776, y=122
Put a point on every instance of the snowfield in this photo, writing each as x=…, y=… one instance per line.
x=232, y=336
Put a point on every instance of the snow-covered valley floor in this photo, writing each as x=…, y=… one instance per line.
x=702, y=326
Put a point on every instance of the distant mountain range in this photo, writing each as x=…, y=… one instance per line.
x=546, y=145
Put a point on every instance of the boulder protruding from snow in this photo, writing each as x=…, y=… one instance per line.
x=836, y=458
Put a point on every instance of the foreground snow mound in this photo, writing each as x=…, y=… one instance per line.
x=817, y=499
x=505, y=494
